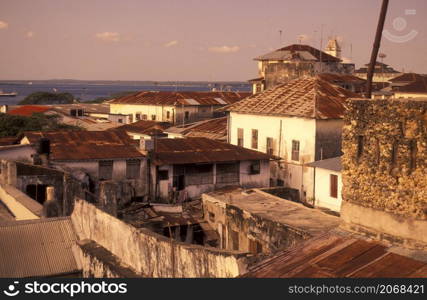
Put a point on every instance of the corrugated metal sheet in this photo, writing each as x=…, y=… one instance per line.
x=333, y=255
x=201, y=150
x=180, y=98
x=144, y=127
x=37, y=248
x=308, y=97
x=84, y=145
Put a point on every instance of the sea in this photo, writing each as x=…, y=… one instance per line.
x=91, y=90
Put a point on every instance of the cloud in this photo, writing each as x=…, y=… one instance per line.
x=171, y=44
x=108, y=36
x=29, y=34
x=3, y=25
x=224, y=49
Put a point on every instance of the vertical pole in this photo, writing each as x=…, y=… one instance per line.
x=376, y=48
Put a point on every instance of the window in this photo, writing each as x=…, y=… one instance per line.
x=255, y=167
x=234, y=235
x=254, y=144
x=133, y=167
x=138, y=116
x=198, y=174
x=187, y=115
x=240, y=137
x=168, y=115
x=153, y=117
x=270, y=146
x=255, y=247
x=130, y=118
x=105, y=169
x=333, y=182
x=120, y=120
x=295, y=150
x=144, y=117
x=211, y=217
x=228, y=173
x=163, y=175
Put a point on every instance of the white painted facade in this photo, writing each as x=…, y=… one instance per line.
x=317, y=138
x=165, y=113
x=322, y=196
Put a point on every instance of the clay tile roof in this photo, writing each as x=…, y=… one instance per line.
x=28, y=110
x=182, y=98
x=9, y=140
x=332, y=255
x=298, y=52
x=201, y=150
x=145, y=127
x=298, y=98
x=88, y=145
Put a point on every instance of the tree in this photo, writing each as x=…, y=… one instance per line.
x=48, y=98
x=11, y=125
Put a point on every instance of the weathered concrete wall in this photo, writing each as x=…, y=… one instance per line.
x=98, y=262
x=328, y=138
x=150, y=254
x=384, y=166
x=248, y=228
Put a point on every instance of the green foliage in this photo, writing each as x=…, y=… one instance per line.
x=48, y=98
x=11, y=125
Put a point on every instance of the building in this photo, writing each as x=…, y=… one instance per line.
x=384, y=167
x=333, y=48
x=185, y=168
x=346, y=81
x=294, y=61
x=382, y=72
x=174, y=107
x=327, y=183
x=145, y=129
x=215, y=129
x=300, y=122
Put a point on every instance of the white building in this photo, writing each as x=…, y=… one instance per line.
x=184, y=168
x=174, y=107
x=328, y=183
x=300, y=122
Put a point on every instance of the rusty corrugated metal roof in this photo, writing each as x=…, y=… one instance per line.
x=181, y=98
x=215, y=129
x=145, y=127
x=298, y=98
x=37, y=248
x=337, y=255
x=86, y=145
x=200, y=150
x=298, y=52
x=407, y=77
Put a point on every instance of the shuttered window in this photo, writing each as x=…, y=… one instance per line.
x=295, y=150
x=333, y=186
x=133, y=167
x=270, y=146
x=240, y=137
x=228, y=173
x=105, y=169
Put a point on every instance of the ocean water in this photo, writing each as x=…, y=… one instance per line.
x=90, y=90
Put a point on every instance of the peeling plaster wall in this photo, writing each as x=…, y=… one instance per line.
x=150, y=254
x=384, y=167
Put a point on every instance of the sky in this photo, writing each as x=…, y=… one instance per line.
x=200, y=40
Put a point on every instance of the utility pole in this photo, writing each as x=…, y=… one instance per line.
x=376, y=48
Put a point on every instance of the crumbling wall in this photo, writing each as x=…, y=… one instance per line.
x=151, y=254
x=384, y=166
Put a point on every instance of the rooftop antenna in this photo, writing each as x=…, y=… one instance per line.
x=351, y=52
x=321, y=46
x=376, y=48
x=280, y=37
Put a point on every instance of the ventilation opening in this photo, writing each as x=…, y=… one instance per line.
x=37, y=192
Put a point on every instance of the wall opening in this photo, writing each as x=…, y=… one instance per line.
x=37, y=192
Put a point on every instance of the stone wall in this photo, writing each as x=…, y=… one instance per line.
x=150, y=254
x=384, y=165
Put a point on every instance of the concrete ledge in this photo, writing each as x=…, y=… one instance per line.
x=384, y=226
x=19, y=204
